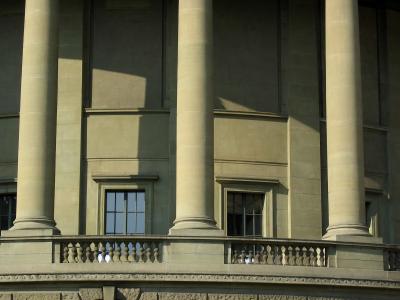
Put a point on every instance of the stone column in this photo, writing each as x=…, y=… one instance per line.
x=37, y=126
x=344, y=120
x=195, y=123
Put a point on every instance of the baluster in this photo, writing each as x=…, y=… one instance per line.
x=235, y=257
x=264, y=256
x=141, y=252
x=124, y=252
x=71, y=253
x=117, y=253
x=323, y=257
x=257, y=257
x=65, y=254
x=249, y=259
x=95, y=253
x=291, y=260
x=284, y=258
x=156, y=254
x=319, y=261
x=79, y=253
x=306, y=259
x=243, y=256
x=298, y=257
x=277, y=258
x=313, y=259
x=87, y=253
x=148, y=254
x=102, y=253
x=134, y=252
x=270, y=255
x=111, y=252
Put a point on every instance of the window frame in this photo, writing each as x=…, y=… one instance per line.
x=242, y=185
x=125, y=183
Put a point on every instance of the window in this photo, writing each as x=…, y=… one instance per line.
x=125, y=212
x=7, y=210
x=245, y=212
x=247, y=206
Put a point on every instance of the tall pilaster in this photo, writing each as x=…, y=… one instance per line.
x=195, y=123
x=37, y=127
x=344, y=120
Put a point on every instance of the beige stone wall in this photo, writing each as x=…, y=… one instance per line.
x=246, y=79
x=132, y=70
x=127, y=54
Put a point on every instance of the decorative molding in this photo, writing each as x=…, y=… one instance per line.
x=124, y=178
x=204, y=278
x=131, y=111
x=246, y=180
x=250, y=162
x=250, y=114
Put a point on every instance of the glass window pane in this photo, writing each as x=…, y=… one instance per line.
x=238, y=203
x=110, y=223
x=14, y=205
x=258, y=225
x=110, y=201
x=131, y=227
x=230, y=204
x=254, y=203
x=140, y=202
x=239, y=225
x=120, y=202
x=120, y=223
x=4, y=223
x=131, y=201
x=140, y=223
x=249, y=225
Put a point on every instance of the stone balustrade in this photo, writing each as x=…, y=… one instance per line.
x=152, y=249
x=270, y=252
x=110, y=250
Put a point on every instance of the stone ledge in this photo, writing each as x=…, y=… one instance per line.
x=200, y=278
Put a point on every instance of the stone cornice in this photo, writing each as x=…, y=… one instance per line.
x=199, y=278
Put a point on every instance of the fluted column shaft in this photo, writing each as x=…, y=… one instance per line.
x=37, y=127
x=344, y=120
x=195, y=125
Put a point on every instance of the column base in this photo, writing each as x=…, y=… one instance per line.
x=335, y=232
x=195, y=227
x=35, y=224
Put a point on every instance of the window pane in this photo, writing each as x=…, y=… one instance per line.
x=140, y=223
x=238, y=203
x=254, y=203
x=14, y=206
x=120, y=205
x=258, y=225
x=140, y=202
x=110, y=223
x=131, y=223
x=120, y=223
x=110, y=201
x=131, y=201
x=4, y=223
x=249, y=225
